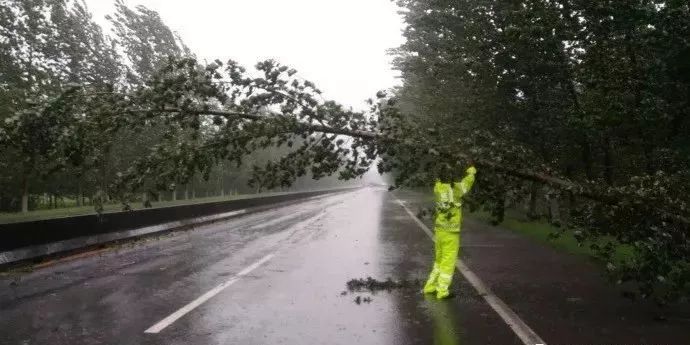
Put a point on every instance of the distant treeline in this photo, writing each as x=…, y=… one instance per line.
x=48, y=46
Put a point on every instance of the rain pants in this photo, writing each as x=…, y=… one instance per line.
x=447, y=220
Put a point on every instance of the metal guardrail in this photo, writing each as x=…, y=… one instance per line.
x=35, y=239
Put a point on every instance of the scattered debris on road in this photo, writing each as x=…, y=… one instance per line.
x=359, y=300
x=372, y=286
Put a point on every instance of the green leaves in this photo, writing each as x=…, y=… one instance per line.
x=571, y=89
x=532, y=92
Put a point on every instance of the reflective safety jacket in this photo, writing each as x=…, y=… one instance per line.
x=448, y=199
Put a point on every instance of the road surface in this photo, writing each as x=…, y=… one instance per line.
x=279, y=277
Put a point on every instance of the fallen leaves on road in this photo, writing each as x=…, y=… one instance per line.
x=371, y=285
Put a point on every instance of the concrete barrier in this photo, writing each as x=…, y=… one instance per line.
x=35, y=239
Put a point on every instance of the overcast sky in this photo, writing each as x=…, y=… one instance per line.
x=338, y=44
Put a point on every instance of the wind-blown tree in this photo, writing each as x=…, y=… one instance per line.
x=146, y=42
x=507, y=86
x=59, y=42
x=90, y=57
x=30, y=69
x=593, y=92
x=145, y=39
x=222, y=112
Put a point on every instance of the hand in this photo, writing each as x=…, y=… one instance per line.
x=471, y=170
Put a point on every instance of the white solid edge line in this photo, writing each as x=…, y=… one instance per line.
x=205, y=297
x=521, y=329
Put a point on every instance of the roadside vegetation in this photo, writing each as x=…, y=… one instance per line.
x=579, y=106
x=73, y=210
x=51, y=162
x=556, y=237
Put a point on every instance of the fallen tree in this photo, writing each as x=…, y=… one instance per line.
x=222, y=112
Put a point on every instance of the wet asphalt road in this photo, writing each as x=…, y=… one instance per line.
x=297, y=297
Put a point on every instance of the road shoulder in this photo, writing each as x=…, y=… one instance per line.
x=565, y=298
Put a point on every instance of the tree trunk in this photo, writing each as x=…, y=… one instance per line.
x=499, y=209
x=587, y=158
x=565, y=207
x=25, y=195
x=534, y=193
x=79, y=199
x=608, y=161
x=554, y=212
x=220, y=180
x=186, y=192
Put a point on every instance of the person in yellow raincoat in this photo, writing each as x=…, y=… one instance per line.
x=447, y=220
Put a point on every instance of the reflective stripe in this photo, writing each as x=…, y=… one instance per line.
x=445, y=194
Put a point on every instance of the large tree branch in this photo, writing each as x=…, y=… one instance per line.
x=556, y=182
x=257, y=117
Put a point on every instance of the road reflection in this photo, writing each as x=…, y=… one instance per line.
x=444, y=321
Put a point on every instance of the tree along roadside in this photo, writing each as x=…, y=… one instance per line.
x=545, y=103
x=592, y=92
x=6, y=218
x=555, y=236
x=242, y=114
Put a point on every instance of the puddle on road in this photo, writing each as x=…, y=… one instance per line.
x=373, y=286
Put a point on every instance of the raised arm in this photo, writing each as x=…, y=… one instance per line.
x=463, y=187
